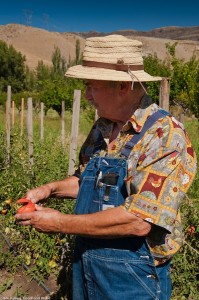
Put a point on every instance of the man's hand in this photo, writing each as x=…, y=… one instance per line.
x=43, y=219
x=40, y=193
x=66, y=188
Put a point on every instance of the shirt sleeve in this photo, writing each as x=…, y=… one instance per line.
x=159, y=175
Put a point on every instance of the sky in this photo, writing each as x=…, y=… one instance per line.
x=101, y=15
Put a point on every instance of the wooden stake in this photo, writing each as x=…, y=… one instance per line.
x=30, y=131
x=8, y=109
x=13, y=114
x=22, y=115
x=42, y=122
x=164, y=94
x=74, y=131
x=63, y=123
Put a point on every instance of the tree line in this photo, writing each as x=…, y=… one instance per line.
x=183, y=75
x=47, y=84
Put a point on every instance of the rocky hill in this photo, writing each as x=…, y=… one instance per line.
x=170, y=32
x=38, y=44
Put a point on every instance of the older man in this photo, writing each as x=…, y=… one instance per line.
x=135, y=167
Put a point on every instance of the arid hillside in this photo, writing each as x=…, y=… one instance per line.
x=38, y=44
x=170, y=32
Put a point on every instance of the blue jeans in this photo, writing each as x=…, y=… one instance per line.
x=113, y=269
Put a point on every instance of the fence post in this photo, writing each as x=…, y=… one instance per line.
x=8, y=109
x=22, y=115
x=164, y=93
x=13, y=114
x=42, y=122
x=74, y=131
x=63, y=123
x=30, y=131
x=96, y=115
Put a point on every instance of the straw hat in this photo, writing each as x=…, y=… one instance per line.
x=113, y=58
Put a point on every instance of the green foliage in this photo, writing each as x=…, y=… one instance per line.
x=188, y=93
x=59, y=64
x=78, y=55
x=185, y=272
x=43, y=254
x=53, y=87
x=55, y=91
x=3, y=97
x=6, y=285
x=51, y=84
x=171, y=49
x=154, y=66
x=43, y=71
x=77, y=48
x=30, y=80
x=184, y=79
x=39, y=251
x=12, y=71
x=47, y=83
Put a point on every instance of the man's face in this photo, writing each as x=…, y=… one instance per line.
x=103, y=97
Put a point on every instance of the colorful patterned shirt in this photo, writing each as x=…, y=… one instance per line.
x=161, y=168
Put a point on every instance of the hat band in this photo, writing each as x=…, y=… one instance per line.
x=116, y=67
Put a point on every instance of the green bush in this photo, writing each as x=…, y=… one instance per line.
x=36, y=249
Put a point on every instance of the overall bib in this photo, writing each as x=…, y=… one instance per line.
x=118, y=268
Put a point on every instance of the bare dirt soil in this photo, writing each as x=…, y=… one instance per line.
x=19, y=285
x=22, y=286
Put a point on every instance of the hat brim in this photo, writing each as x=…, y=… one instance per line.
x=93, y=73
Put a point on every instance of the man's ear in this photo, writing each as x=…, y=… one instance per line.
x=125, y=87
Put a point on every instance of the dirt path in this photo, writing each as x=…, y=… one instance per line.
x=20, y=286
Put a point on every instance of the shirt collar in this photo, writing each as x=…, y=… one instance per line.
x=105, y=126
x=138, y=119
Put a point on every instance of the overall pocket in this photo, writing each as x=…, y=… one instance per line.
x=107, y=195
x=85, y=196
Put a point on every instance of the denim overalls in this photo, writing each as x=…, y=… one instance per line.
x=120, y=268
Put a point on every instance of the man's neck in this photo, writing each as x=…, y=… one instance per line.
x=126, y=111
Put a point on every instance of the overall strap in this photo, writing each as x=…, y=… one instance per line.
x=135, y=139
